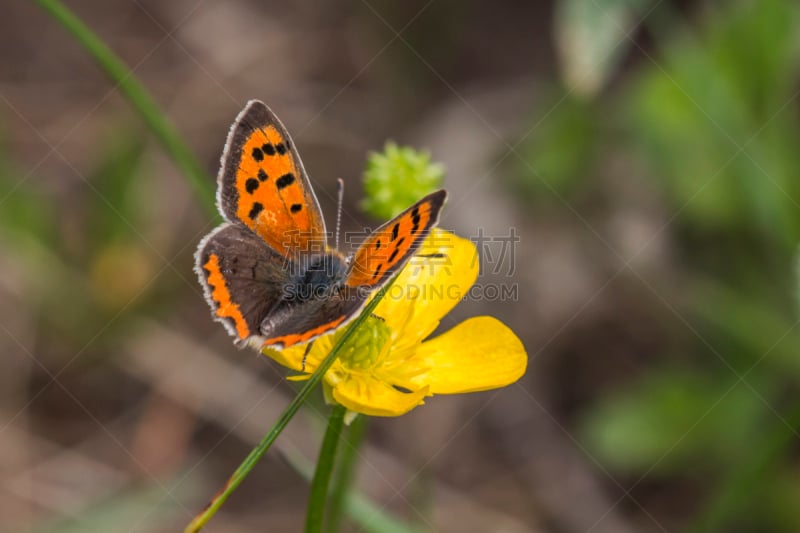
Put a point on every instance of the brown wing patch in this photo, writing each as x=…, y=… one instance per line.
x=219, y=293
x=286, y=341
x=390, y=246
x=243, y=278
x=264, y=186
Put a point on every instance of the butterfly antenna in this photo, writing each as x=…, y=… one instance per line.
x=340, y=190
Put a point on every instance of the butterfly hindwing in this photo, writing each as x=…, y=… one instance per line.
x=387, y=249
x=262, y=184
x=289, y=325
x=243, y=279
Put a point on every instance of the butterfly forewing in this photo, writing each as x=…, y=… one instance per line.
x=389, y=248
x=263, y=185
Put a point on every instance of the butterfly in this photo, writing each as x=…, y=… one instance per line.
x=267, y=271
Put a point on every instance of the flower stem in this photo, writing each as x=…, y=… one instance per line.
x=368, y=516
x=258, y=452
x=322, y=474
x=139, y=98
x=344, y=473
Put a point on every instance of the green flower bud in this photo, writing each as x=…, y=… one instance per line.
x=397, y=178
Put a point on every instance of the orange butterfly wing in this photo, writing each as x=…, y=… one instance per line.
x=263, y=185
x=389, y=248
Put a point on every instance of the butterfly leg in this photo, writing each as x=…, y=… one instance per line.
x=305, y=355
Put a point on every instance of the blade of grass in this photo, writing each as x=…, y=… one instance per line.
x=315, y=513
x=139, y=98
x=258, y=452
x=345, y=472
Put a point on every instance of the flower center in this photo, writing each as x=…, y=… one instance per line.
x=362, y=350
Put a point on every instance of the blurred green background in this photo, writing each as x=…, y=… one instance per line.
x=645, y=152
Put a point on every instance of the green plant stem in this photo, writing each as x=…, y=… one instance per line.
x=258, y=452
x=368, y=516
x=315, y=514
x=345, y=471
x=139, y=98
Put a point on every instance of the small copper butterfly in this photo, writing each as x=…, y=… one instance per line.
x=267, y=271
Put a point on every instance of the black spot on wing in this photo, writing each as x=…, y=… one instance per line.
x=285, y=180
x=395, y=231
x=257, y=154
x=262, y=176
x=255, y=210
x=415, y=218
x=377, y=270
x=251, y=185
x=377, y=244
x=268, y=149
x=394, y=254
x=296, y=208
x=280, y=148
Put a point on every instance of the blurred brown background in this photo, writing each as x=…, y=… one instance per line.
x=645, y=152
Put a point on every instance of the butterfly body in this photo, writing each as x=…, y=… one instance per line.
x=268, y=273
x=322, y=275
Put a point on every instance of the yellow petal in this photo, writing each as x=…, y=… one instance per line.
x=290, y=357
x=429, y=287
x=367, y=395
x=479, y=354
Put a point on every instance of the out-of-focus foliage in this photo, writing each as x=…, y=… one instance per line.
x=711, y=113
x=100, y=247
x=546, y=165
x=592, y=37
x=639, y=429
x=712, y=119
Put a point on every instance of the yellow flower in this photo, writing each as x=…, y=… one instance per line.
x=389, y=367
